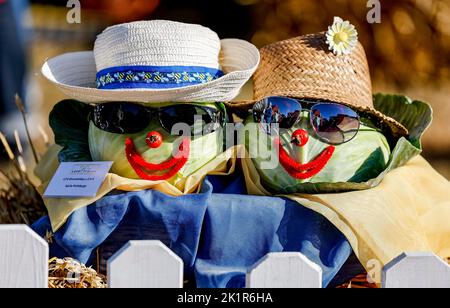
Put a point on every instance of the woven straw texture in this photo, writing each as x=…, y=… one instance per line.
x=303, y=67
x=156, y=43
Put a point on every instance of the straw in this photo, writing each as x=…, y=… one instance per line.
x=44, y=135
x=6, y=146
x=69, y=273
x=21, y=107
x=18, y=142
x=20, y=203
x=303, y=67
x=22, y=164
x=20, y=159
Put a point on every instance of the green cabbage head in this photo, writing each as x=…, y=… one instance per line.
x=106, y=146
x=357, y=161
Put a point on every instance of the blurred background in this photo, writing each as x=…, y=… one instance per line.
x=409, y=51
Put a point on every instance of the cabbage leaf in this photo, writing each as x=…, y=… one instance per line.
x=69, y=121
x=416, y=116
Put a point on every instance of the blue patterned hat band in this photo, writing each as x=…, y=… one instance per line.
x=155, y=77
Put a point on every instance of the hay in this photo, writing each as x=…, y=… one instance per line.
x=68, y=273
x=20, y=203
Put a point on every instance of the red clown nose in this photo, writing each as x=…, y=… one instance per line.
x=154, y=140
x=300, y=137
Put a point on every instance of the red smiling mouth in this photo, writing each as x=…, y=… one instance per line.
x=304, y=171
x=171, y=166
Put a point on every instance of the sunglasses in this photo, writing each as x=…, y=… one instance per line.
x=333, y=123
x=127, y=118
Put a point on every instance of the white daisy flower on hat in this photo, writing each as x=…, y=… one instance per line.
x=342, y=37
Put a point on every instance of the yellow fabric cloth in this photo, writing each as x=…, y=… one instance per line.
x=409, y=211
x=59, y=209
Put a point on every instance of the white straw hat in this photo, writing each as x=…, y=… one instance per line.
x=155, y=61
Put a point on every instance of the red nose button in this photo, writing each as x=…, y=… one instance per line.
x=300, y=137
x=154, y=140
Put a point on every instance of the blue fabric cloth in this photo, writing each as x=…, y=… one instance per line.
x=219, y=233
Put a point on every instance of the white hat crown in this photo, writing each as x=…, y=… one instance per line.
x=155, y=61
x=157, y=43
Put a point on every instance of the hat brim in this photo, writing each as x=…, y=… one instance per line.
x=74, y=74
x=395, y=128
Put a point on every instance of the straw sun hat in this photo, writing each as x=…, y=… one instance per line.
x=155, y=61
x=304, y=67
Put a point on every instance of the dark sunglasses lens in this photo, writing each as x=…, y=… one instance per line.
x=201, y=120
x=121, y=118
x=277, y=110
x=335, y=123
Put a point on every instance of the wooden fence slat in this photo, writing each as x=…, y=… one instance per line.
x=145, y=264
x=285, y=270
x=23, y=258
x=416, y=270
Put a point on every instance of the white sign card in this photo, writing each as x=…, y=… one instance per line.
x=77, y=179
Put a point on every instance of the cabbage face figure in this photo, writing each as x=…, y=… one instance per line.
x=165, y=143
x=303, y=156
x=312, y=125
x=140, y=84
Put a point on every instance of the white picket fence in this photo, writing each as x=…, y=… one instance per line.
x=150, y=264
